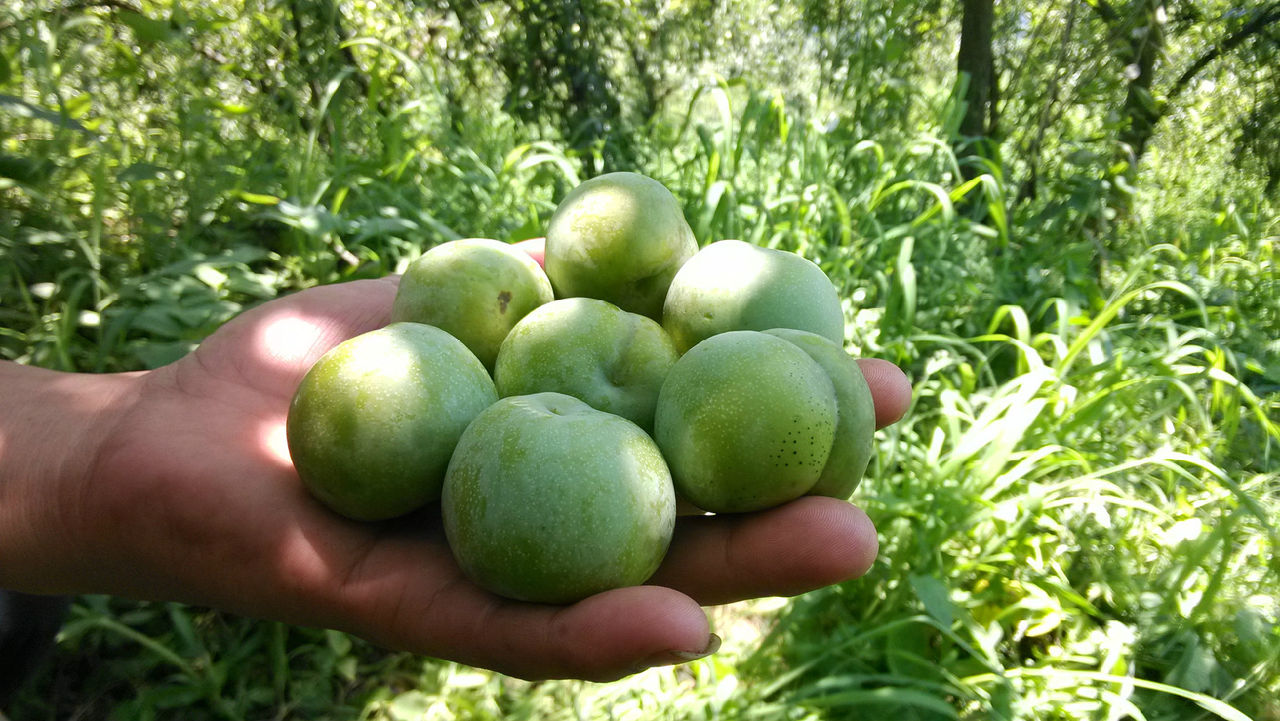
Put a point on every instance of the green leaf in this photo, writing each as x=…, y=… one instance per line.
x=141, y=171
x=166, y=697
x=887, y=696
x=936, y=597
x=147, y=30
x=23, y=109
x=258, y=198
x=1194, y=669
x=1060, y=675
x=78, y=106
x=22, y=168
x=210, y=276
x=339, y=643
x=409, y=706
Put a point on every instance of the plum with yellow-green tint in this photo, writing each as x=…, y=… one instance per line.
x=475, y=289
x=618, y=237
x=855, y=410
x=592, y=350
x=549, y=500
x=374, y=422
x=731, y=285
x=746, y=421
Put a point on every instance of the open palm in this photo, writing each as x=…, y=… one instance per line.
x=193, y=498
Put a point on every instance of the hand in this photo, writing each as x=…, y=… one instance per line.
x=176, y=484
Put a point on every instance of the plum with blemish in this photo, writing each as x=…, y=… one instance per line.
x=475, y=289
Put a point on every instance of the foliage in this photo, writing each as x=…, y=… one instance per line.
x=1078, y=516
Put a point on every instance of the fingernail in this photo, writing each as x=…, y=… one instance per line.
x=674, y=657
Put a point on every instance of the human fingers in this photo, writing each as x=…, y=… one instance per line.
x=407, y=594
x=806, y=544
x=889, y=388
x=272, y=346
x=601, y=638
x=535, y=247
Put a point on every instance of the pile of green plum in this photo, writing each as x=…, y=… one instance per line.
x=557, y=415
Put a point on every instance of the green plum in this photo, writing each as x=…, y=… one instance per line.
x=590, y=349
x=855, y=408
x=731, y=285
x=374, y=422
x=618, y=237
x=746, y=421
x=476, y=289
x=549, y=500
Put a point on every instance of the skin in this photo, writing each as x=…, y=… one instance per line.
x=174, y=484
x=534, y=510
x=592, y=350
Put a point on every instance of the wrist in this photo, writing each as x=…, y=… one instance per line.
x=53, y=428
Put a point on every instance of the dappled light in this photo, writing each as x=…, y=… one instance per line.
x=289, y=341
x=275, y=442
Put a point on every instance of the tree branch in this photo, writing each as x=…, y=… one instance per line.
x=1105, y=11
x=82, y=5
x=1258, y=24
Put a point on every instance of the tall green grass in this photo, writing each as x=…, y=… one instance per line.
x=1078, y=538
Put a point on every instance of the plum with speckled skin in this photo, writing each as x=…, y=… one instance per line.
x=592, y=350
x=732, y=285
x=549, y=500
x=476, y=289
x=618, y=237
x=746, y=421
x=855, y=409
x=374, y=422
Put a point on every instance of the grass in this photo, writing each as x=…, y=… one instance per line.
x=1068, y=539
x=1078, y=517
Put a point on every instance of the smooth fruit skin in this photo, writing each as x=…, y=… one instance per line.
x=746, y=421
x=475, y=289
x=732, y=285
x=590, y=349
x=855, y=408
x=549, y=500
x=374, y=422
x=619, y=237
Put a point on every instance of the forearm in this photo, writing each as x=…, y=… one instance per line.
x=52, y=427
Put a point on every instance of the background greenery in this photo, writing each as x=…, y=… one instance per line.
x=1071, y=248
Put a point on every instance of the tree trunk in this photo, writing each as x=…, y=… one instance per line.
x=976, y=60
x=1140, y=111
